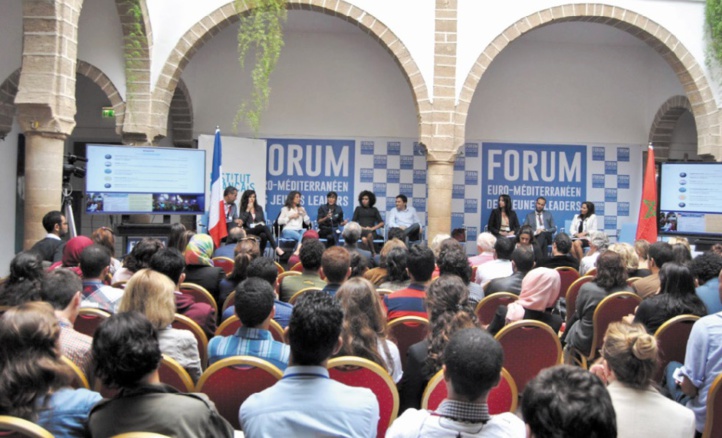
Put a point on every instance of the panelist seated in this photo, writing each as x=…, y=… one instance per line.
x=404, y=218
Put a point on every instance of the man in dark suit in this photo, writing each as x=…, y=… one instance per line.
x=542, y=223
x=560, y=253
x=50, y=248
x=522, y=261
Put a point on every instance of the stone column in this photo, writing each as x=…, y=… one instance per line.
x=440, y=179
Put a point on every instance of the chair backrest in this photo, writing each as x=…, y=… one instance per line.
x=89, y=319
x=230, y=301
x=502, y=398
x=631, y=280
x=572, y=294
x=672, y=339
x=298, y=267
x=172, y=373
x=119, y=284
x=224, y=263
x=295, y=296
x=529, y=347
x=140, y=435
x=283, y=275
x=568, y=276
x=232, y=324
x=79, y=379
x=592, y=272
x=359, y=372
x=486, y=308
x=20, y=427
x=229, y=382
x=182, y=322
x=406, y=331
x=279, y=267
x=199, y=294
x=611, y=309
x=712, y=428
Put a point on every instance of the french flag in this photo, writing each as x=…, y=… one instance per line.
x=216, y=219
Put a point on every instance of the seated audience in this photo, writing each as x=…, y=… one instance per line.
x=522, y=261
x=34, y=381
x=364, y=327
x=630, y=259
x=561, y=256
x=296, y=256
x=351, y=235
x=631, y=358
x=706, y=268
x=23, y=283
x=235, y=235
x=641, y=247
x=453, y=261
x=71, y=254
x=611, y=277
x=50, y=248
x=245, y=252
x=199, y=266
x=539, y=293
x=569, y=402
x=681, y=252
x=254, y=307
x=379, y=274
x=659, y=254
x=144, y=403
x=500, y=266
x=306, y=402
x=171, y=263
x=526, y=238
x=139, y=258
x=410, y=301
x=152, y=294
x=485, y=245
x=449, y=310
x=397, y=276
x=336, y=265
x=104, y=237
x=472, y=367
x=61, y=289
x=676, y=297
x=311, y=254
x=95, y=264
x=598, y=243
x=265, y=269
x=358, y=265
x=175, y=238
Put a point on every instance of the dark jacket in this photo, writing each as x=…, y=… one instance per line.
x=50, y=250
x=511, y=284
x=201, y=313
x=248, y=219
x=495, y=222
x=207, y=276
x=559, y=261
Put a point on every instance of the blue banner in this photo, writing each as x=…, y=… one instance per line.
x=528, y=171
x=312, y=167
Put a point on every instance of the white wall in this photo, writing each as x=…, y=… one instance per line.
x=684, y=139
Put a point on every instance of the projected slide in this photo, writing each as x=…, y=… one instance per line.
x=690, y=200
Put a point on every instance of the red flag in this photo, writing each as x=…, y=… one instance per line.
x=647, y=222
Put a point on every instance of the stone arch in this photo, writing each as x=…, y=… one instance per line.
x=226, y=15
x=111, y=92
x=8, y=91
x=181, y=116
x=660, y=134
x=688, y=71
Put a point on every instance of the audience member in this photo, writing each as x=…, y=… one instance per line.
x=435, y=245
x=459, y=234
x=539, y=292
x=95, y=264
x=104, y=237
x=199, y=266
x=151, y=293
x=227, y=250
x=144, y=403
x=676, y=297
x=369, y=218
x=139, y=258
x=397, y=261
x=171, y=263
x=61, y=289
x=336, y=265
x=23, y=283
x=254, y=222
x=706, y=268
x=34, y=381
x=641, y=247
x=358, y=265
x=175, y=238
x=503, y=221
x=311, y=254
x=526, y=238
x=245, y=252
x=631, y=358
x=306, y=402
x=717, y=248
x=295, y=258
x=265, y=269
x=611, y=277
x=472, y=367
x=404, y=217
x=453, y=261
x=629, y=258
x=71, y=254
x=561, y=246
x=659, y=254
x=254, y=307
x=364, y=327
x=485, y=245
x=449, y=310
x=598, y=243
x=380, y=273
x=410, y=301
x=50, y=247
x=500, y=266
x=570, y=402
x=681, y=253
x=351, y=235
x=522, y=261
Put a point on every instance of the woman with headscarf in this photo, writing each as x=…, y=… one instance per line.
x=539, y=292
x=71, y=254
x=199, y=266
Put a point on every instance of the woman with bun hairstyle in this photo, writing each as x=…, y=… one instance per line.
x=629, y=362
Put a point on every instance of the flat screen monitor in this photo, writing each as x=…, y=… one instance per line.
x=144, y=180
x=690, y=199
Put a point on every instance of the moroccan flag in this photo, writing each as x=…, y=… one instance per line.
x=647, y=222
x=216, y=215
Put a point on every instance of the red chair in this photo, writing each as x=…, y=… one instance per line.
x=182, y=322
x=486, y=308
x=199, y=294
x=529, y=347
x=713, y=429
x=224, y=263
x=232, y=324
x=172, y=373
x=79, y=379
x=672, y=339
x=406, y=331
x=14, y=427
x=229, y=382
x=502, y=398
x=230, y=301
x=298, y=294
x=592, y=272
x=279, y=268
x=89, y=319
x=359, y=372
x=572, y=294
x=568, y=276
x=298, y=267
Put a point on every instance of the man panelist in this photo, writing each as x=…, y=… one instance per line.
x=404, y=218
x=542, y=222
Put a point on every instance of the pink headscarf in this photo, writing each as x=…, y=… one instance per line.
x=539, y=291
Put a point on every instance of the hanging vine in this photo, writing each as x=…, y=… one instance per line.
x=713, y=13
x=260, y=30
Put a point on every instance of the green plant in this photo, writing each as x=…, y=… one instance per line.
x=713, y=13
x=260, y=30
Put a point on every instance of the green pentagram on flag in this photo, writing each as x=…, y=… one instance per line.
x=651, y=208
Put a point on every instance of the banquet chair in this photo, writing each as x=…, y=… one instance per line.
x=199, y=294
x=572, y=294
x=712, y=428
x=406, y=331
x=224, y=263
x=486, y=308
x=502, y=398
x=172, y=373
x=182, y=322
x=672, y=338
x=89, y=319
x=13, y=427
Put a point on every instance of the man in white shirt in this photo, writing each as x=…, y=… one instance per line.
x=500, y=266
x=50, y=248
x=404, y=218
